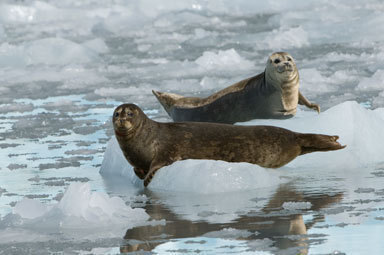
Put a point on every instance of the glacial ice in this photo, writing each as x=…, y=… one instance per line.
x=223, y=60
x=91, y=214
x=376, y=82
x=358, y=128
x=48, y=51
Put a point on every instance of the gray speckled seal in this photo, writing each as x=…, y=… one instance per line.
x=273, y=94
x=149, y=145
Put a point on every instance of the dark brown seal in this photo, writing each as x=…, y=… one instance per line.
x=149, y=145
x=273, y=94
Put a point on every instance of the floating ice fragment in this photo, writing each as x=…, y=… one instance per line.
x=229, y=233
x=223, y=60
x=376, y=82
x=2, y=32
x=295, y=37
x=296, y=205
x=211, y=176
x=115, y=165
x=30, y=208
x=47, y=51
x=97, y=45
x=80, y=208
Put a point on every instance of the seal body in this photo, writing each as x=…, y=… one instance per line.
x=150, y=145
x=273, y=94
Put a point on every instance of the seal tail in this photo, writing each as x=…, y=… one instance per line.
x=316, y=142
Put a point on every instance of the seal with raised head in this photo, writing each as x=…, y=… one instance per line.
x=149, y=145
x=273, y=94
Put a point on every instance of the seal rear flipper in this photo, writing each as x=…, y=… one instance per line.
x=167, y=100
x=316, y=142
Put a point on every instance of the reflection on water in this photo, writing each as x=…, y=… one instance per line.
x=279, y=227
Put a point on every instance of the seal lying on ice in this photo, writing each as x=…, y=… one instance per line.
x=149, y=145
x=273, y=94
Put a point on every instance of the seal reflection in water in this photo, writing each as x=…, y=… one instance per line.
x=149, y=145
x=273, y=94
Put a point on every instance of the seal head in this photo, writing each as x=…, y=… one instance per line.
x=127, y=118
x=281, y=69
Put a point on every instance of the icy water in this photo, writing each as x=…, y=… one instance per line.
x=64, y=67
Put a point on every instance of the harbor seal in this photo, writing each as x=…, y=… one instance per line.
x=273, y=94
x=149, y=145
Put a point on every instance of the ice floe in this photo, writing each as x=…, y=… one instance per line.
x=359, y=128
x=80, y=213
x=48, y=51
x=223, y=60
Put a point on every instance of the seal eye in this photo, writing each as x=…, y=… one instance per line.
x=130, y=114
x=116, y=114
x=289, y=59
x=277, y=61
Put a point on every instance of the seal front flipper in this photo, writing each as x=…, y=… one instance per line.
x=305, y=101
x=316, y=142
x=139, y=173
x=153, y=169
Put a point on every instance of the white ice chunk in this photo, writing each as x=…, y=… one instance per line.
x=296, y=205
x=48, y=51
x=16, y=13
x=112, y=92
x=30, y=208
x=229, y=233
x=94, y=213
x=2, y=32
x=223, y=60
x=211, y=176
x=115, y=165
x=376, y=82
x=97, y=45
x=311, y=79
x=358, y=128
x=287, y=38
x=379, y=100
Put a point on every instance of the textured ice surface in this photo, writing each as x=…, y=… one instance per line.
x=296, y=205
x=223, y=60
x=358, y=128
x=49, y=51
x=80, y=211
